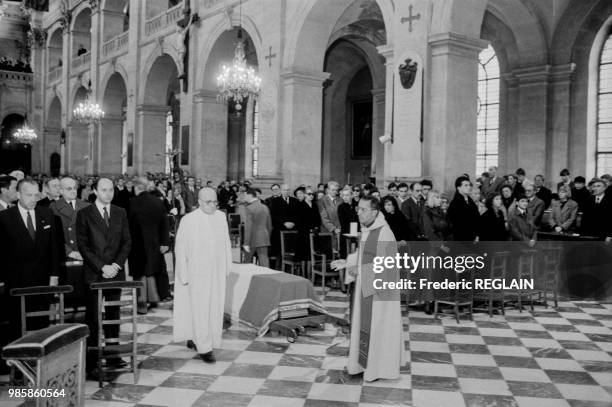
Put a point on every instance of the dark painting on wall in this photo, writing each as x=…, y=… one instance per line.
x=362, y=129
x=185, y=145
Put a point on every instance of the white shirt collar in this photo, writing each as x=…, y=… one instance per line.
x=24, y=215
x=4, y=203
x=101, y=208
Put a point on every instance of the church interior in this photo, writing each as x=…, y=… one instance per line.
x=377, y=95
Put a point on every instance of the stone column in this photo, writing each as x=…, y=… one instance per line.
x=78, y=149
x=149, y=148
x=452, y=118
x=110, y=148
x=302, y=130
x=378, y=129
x=209, y=148
x=533, y=119
x=560, y=150
x=94, y=75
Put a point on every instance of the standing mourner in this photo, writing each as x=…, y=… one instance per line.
x=202, y=239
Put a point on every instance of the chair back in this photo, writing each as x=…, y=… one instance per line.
x=322, y=244
x=288, y=243
x=54, y=312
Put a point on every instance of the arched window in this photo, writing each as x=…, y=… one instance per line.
x=487, y=138
x=603, y=157
x=255, y=138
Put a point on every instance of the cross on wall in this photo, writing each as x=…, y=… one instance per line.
x=270, y=56
x=411, y=17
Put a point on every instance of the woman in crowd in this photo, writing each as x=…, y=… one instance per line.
x=507, y=196
x=563, y=211
x=493, y=225
x=356, y=196
x=395, y=219
x=308, y=219
x=477, y=198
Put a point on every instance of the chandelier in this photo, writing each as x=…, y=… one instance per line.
x=25, y=134
x=88, y=112
x=239, y=81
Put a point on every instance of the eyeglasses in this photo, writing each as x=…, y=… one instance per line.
x=211, y=203
x=362, y=209
x=309, y=193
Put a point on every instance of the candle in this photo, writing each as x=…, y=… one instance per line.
x=353, y=231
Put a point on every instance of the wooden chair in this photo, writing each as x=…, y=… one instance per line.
x=498, y=267
x=55, y=312
x=457, y=298
x=551, y=260
x=321, y=256
x=288, y=250
x=526, y=267
x=112, y=348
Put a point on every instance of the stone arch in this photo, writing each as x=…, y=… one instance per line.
x=165, y=50
x=223, y=25
x=52, y=128
x=112, y=130
x=109, y=70
x=307, y=43
x=81, y=29
x=463, y=17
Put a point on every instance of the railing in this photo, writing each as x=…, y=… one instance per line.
x=15, y=76
x=164, y=20
x=115, y=44
x=81, y=60
x=54, y=74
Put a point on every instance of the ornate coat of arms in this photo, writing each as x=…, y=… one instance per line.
x=407, y=73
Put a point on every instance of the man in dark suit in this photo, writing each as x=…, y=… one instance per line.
x=103, y=239
x=282, y=210
x=150, y=240
x=413, y=208
x=122, y=196
x=66, y=209
x=8, y=191
x=190, y=195
x=257, y=229
x=580, y=193
x=29, y=249
x=52, y=188
x=541, y=191
x=493, y=184
x=597, y=214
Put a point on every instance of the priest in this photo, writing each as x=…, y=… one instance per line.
x=203, y=261
x=377, y=337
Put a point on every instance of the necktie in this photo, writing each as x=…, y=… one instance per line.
x=30, y=225
x=73, y=204
x=106, y=216
x=287, y=200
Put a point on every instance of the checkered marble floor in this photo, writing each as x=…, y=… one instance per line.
x=550, y=358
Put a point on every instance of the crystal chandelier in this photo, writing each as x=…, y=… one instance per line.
x=238, y=81
x=25, y=134
x=88, y=112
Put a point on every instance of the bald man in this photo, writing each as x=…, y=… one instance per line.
x=66, y=209
x=203, y=262
x=103, y=240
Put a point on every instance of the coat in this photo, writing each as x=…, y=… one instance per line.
x=101, y=245
x=257, y=225
x=148, y=231
x=563, y=216
x=597, y=218
x=464, y=218
x=521, y=226
x=280, y=213
x=27, y=263
x=414, y=213
x=329, y=213
x=492, y=186
x=308, y=219
x=190, y=198
x=545, y=195
x=68, y=215
x=535, y=208
x=492, y=227
x=436, y=226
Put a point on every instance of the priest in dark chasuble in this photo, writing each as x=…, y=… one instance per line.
x=377, y=337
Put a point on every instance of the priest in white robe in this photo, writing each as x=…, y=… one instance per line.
x=377, y=336
x=203, y=262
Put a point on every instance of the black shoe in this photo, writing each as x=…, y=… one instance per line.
x=153, y=305
x=208, y=357
x=192, y=345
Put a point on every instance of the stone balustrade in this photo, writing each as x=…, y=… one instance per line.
x=167, y=19
x=54, y=74
x=13, y=76
x=115, y=45
x=81, y=62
